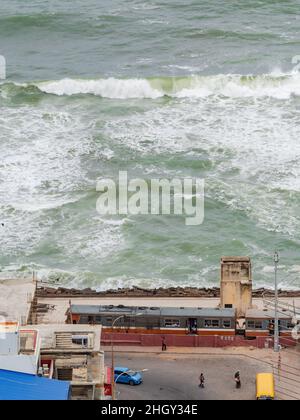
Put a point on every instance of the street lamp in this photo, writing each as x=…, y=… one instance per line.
x=276, y=326
x=112, y=351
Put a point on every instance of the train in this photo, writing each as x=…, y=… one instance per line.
x=260, y=323
x=180, y=321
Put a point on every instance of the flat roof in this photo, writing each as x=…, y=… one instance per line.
x=8, y=327
x=47, y=333
x=158, y=311
x=235, y=259
x=266, y=314
x=14, y=298
x=22, y=386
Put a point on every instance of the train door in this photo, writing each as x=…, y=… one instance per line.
x=192, y=325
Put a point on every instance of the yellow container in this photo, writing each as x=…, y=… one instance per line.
x=265, y=386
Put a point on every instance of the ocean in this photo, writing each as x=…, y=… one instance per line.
x=203, y=89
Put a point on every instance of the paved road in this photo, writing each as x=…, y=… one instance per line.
x=175, y=377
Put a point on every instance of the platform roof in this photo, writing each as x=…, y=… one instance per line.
x=267, y=314
x=158, y=311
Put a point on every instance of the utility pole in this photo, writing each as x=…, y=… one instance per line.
x=276, y=326
x=113, y=386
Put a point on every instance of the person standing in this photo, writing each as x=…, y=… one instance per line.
x=237, y=378
x=163, y=344
x=202, y=380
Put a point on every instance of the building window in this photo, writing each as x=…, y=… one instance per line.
x=81, y=341
x=172, y=323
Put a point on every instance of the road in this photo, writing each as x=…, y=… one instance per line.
x=175, y=376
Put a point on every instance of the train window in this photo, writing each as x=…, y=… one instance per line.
x=211, y=323
x=226, y=323
x=257, y=325
x=172, y=323
x=98, y=319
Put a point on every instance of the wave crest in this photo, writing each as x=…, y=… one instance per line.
x=280, y=86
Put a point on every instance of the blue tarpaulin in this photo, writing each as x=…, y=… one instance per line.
x=22, y=386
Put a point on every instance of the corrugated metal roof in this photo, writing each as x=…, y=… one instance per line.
x=266, y=314
x=163, y=311
x=21, y=386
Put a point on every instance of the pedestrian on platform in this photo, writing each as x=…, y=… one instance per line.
x=202, y=380
x=163, y=344
x=237, y=378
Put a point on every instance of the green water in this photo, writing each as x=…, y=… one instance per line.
x=161, y=89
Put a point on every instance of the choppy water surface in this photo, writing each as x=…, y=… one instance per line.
x=161, y=89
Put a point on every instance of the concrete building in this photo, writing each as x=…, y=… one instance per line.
x=73, y=353
x=65, y=352
x=19, y=348
x=236, y=284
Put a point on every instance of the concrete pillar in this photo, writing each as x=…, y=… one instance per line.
x=236, y=284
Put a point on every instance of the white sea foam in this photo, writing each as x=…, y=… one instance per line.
x=274, y=85
x=107, y=88
x=47, y=156
x=252, y=148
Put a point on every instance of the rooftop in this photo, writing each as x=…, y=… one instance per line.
x=15, y=298
x=56, y=307
x=50, y=332
x=22, y=386
x=235, y=259
x=8, y=327
x=166, y=311
x=267, y=313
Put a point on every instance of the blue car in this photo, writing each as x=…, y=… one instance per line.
x=124, y=375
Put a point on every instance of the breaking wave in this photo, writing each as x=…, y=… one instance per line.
x=278, y=86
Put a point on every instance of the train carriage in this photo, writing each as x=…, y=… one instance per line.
x=156, y=320
x=261, y=323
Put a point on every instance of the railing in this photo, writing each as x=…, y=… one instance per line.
x=284, y=306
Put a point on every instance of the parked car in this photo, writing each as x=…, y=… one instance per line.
x=124, y=375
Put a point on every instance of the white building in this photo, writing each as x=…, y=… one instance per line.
x=19, y=348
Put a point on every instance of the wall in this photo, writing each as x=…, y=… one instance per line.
x=190, y=340
x=19, y=363
x=9, y=344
